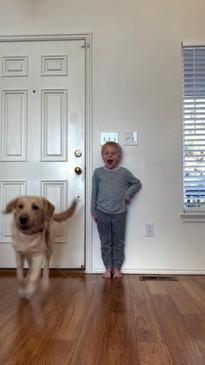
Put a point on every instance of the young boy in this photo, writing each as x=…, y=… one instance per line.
x=112, y=189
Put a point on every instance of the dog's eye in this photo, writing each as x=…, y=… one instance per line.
x=20, y=206
x=35, y=207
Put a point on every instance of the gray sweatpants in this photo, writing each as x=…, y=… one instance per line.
x=111, y=228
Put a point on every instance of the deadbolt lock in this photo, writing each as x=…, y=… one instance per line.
x=78, y=153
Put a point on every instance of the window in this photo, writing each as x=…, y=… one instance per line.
x=194, y=127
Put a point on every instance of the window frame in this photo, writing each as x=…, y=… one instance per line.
x=195, y=208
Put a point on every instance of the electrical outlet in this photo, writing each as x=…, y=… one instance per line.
x=149, y=229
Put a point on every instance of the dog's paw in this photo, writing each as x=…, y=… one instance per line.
x=21, y=292
x=44, y=285
x=29, y=290
x=21, y=282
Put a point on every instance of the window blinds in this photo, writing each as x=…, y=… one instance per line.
x=194, y=127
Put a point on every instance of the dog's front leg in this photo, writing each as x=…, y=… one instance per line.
x=34, y=275
x=20, y=272
x=20, y=267
x=45, y=277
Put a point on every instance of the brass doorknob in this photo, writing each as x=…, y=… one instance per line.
x=78, y=170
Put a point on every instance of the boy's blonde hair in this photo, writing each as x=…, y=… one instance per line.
x=112, y=144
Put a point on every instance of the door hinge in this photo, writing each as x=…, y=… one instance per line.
x=86, y=45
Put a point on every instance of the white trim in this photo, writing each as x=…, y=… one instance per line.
x=155, y=271
x=193, y=218
x=195, y=42
x=45, y=37
x=87, y=38
x=89, y=160
x=193, y=133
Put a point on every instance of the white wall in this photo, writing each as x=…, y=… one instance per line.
x=136, y=86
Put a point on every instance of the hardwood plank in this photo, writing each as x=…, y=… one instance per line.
x=145, y=318
x=32, y=324
x=74, y=311
x=107, y=335
x=66, y=322
x=180, y=297
x=149, y=335
x=195, y=291
x=156, y=288
x=6, y=282
x=154, y=354
x=196, y=326
x=200, y=280
x=7, y=293
x=181, y=343
x=54, y=352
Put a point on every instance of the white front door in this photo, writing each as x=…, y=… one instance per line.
x=42, y=106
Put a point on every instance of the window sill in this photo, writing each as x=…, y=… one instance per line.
x=193, y=217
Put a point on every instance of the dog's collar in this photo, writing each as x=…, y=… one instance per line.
x=30, y=233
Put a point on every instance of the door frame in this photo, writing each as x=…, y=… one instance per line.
x=87, y=38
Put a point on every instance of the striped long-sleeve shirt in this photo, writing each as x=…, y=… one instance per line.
x=111, y=188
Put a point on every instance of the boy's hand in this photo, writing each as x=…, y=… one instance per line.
x=95, y=218
x=127, y=198
x=127, y=201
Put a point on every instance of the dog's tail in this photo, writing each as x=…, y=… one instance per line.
x=66, y=214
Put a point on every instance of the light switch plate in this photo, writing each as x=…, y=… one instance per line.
x=108, y=137
x=130, y=138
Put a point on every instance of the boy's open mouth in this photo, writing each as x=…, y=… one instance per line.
x=109, y=161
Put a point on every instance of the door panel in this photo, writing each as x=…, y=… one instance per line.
x=42, y=106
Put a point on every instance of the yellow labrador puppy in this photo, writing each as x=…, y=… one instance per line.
x=33, y=236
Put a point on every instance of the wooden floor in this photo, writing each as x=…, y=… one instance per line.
x=88, y=320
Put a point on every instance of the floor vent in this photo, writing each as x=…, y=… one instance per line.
x=158, y=277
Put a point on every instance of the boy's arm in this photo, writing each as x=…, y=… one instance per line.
x=94, y=195
x=135, y=186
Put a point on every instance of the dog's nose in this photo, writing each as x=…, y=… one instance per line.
x=23, y=219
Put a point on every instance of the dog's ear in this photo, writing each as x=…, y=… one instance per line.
x=49, y=208
x=10, y=206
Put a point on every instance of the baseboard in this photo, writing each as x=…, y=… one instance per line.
x=66, y=272
x=155, y=271
x=53, y=272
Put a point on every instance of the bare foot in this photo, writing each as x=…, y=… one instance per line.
x=117, y=274
x=107, y=274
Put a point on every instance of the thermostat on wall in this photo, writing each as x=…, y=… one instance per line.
x=108, y=137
